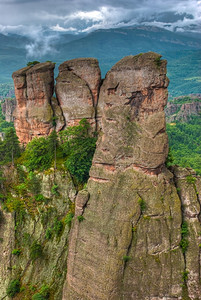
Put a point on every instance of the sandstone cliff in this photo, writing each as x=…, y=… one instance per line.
x=182, y=112
x=129, y=243
x=38, y=112
x=34, y=88
x=136, y=229
x=8, y=107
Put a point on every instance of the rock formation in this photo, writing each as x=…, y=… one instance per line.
x=136, y=229
x=182, y=112
x=37, y=113
x=77, y=89
x=128, y=245
x=8, y=107
x=30, y=224
x=34, y=87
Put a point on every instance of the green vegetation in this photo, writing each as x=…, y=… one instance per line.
x=32, y=63
x=184, y=99
x=16, y=252
x=54, y=190
x=68, y=219
x=158, y=61
x=4, y=125
x=9, y=148
x=184, y=234
x=185, y=276
x=74, y=147
x=78, y=147
x=142, y=204
x=58, y=227
x=80, y=218
x=36, y=250
x=126, y=258
x=43, y=294
x=37, y=155
x=13, y=288
x=190, y=179
x=185, y=143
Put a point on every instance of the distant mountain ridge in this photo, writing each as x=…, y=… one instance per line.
x=108, y=46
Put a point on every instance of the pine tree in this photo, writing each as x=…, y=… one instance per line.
x=11, y=146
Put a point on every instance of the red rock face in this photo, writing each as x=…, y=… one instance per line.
x=77, y=89
x=34, y=88
x=182, y=112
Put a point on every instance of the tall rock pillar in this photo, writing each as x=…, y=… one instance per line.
x=34, y=87
x=127, y=246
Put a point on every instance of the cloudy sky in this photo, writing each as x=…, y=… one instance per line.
x=86, y=15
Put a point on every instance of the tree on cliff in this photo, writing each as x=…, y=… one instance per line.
x=11, y=146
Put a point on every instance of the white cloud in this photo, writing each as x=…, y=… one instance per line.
x=62, y=29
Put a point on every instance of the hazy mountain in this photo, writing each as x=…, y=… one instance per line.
x=109, y=45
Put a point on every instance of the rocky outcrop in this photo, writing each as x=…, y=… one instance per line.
x=38, y=113
x=41, y=222
x=8, y=107
x=182, y=112
x=7, y=243
x=34, y=87
x=136, y=228
x=77, y=90
x=128, y=245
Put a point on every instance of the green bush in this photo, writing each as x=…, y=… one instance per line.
x=32, y=63
x=184, y=234
x=13, y=288
x=54, y=190
x=69, y=218
x=37, y=296
x=49, y=233
x=40, y=198
x=78, y=147
x=142, y=204
x=80, y=218
x=36, y=251
x=58, y=227
x=37, y=155
x=43, y=294
x=16, y=252
x=33, y=183
x=190, y=179
x=126, y=258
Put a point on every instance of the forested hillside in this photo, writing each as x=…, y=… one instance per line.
x=185, y=134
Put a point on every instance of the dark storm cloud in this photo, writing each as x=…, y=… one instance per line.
x=29, y=17
x=19, y=12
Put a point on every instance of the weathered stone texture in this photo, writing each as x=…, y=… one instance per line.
x=34, y=88
x=50, y=268
x=182, y=112
x=189, y=189
x=131, y=104
x=7, y=244
x=8, y=107
x=127, y=247
x=77, y=89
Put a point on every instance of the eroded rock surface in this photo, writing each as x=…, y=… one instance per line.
x=8, y=107
x=182, y=112
x=34, y=88
x=43, y=223
x=128, y=244
x=77, y=89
